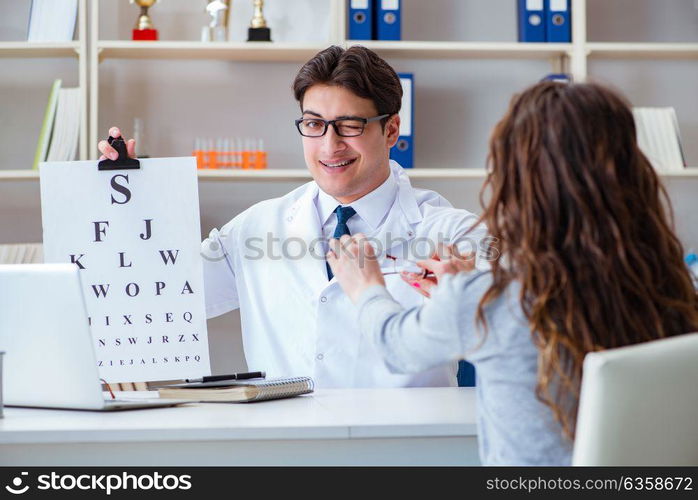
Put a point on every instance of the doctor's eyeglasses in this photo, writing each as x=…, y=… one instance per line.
x=351, y=126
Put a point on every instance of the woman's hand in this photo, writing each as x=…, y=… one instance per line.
x=353, y=261
x=451, y=263
x=109, y=152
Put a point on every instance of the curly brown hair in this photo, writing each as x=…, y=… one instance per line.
x=585, y=226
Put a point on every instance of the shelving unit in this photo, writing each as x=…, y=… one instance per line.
x=643, y=50
x=39, y=49
x=568, y=57
x=466, y=50
x=292, y=174
x=559, y=55
x=563, y=57
x=300, y=52
x=76, y=49
x=233, y=51
x=414, y=173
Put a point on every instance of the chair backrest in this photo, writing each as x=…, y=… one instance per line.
x=639, y=405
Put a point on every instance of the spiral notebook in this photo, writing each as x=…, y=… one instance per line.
x=239, y=391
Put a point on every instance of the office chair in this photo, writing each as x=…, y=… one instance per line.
x=639, y=405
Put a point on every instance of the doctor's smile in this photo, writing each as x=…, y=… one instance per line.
x=335, y=166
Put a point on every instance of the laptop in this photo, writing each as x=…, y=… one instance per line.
x=50, y=360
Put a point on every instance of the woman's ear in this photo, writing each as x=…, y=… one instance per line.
x=392, y=130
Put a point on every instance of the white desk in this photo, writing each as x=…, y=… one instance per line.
x=417, y=426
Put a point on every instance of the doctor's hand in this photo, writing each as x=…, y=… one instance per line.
x=109, y=152
x=449, y=261
x=353, y=261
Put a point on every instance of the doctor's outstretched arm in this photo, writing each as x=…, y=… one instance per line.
x=220, y=288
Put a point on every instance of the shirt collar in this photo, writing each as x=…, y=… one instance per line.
x=372, y=207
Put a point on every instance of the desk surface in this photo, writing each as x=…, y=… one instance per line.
x=369, y=416
x=328, y=413
x=416, y=426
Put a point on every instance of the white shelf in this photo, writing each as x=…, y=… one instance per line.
x=280, y=174
x=39, y=49
x=288, y=174
x=464, y=50
x=446, y=173
x=279, y=52
x=274, y=51
x=642, y=50
x=235, y=51
x=18, y=175
x=686, y=172
x=414, y=173
x=270, y=174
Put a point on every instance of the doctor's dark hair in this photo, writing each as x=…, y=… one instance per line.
x=356, y=69
x=585, y=228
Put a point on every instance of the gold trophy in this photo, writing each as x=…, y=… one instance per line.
x=217, y=29
x=144, y=26
x=258, y=30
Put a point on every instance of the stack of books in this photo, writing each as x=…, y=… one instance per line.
x=21, y=253
x=60, y=131
x=52, y=20
x=659, y=138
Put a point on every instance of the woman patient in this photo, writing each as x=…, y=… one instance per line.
x=586, y=259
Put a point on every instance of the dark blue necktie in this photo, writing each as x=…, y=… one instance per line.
x=343, y=215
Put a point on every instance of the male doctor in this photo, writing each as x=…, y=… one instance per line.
x=269, y=261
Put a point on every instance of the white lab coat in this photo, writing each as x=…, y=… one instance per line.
x=295, y=321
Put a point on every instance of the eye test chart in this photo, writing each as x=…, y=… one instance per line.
x=135, y=236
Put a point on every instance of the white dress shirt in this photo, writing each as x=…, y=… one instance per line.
x=371, y=209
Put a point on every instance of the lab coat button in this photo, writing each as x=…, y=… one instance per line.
x=319, y=357
x=323, y=299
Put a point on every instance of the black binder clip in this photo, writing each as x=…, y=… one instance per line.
x=123, y=162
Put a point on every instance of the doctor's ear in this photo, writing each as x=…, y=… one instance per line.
x=392, y=129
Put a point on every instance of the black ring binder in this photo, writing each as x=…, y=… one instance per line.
x=121, y=163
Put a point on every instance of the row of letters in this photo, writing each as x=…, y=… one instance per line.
x=150, y=361
x=180, y=338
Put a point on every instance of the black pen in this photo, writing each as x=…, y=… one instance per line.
x=232, y=376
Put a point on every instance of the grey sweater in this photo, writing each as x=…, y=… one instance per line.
x=514, y=428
